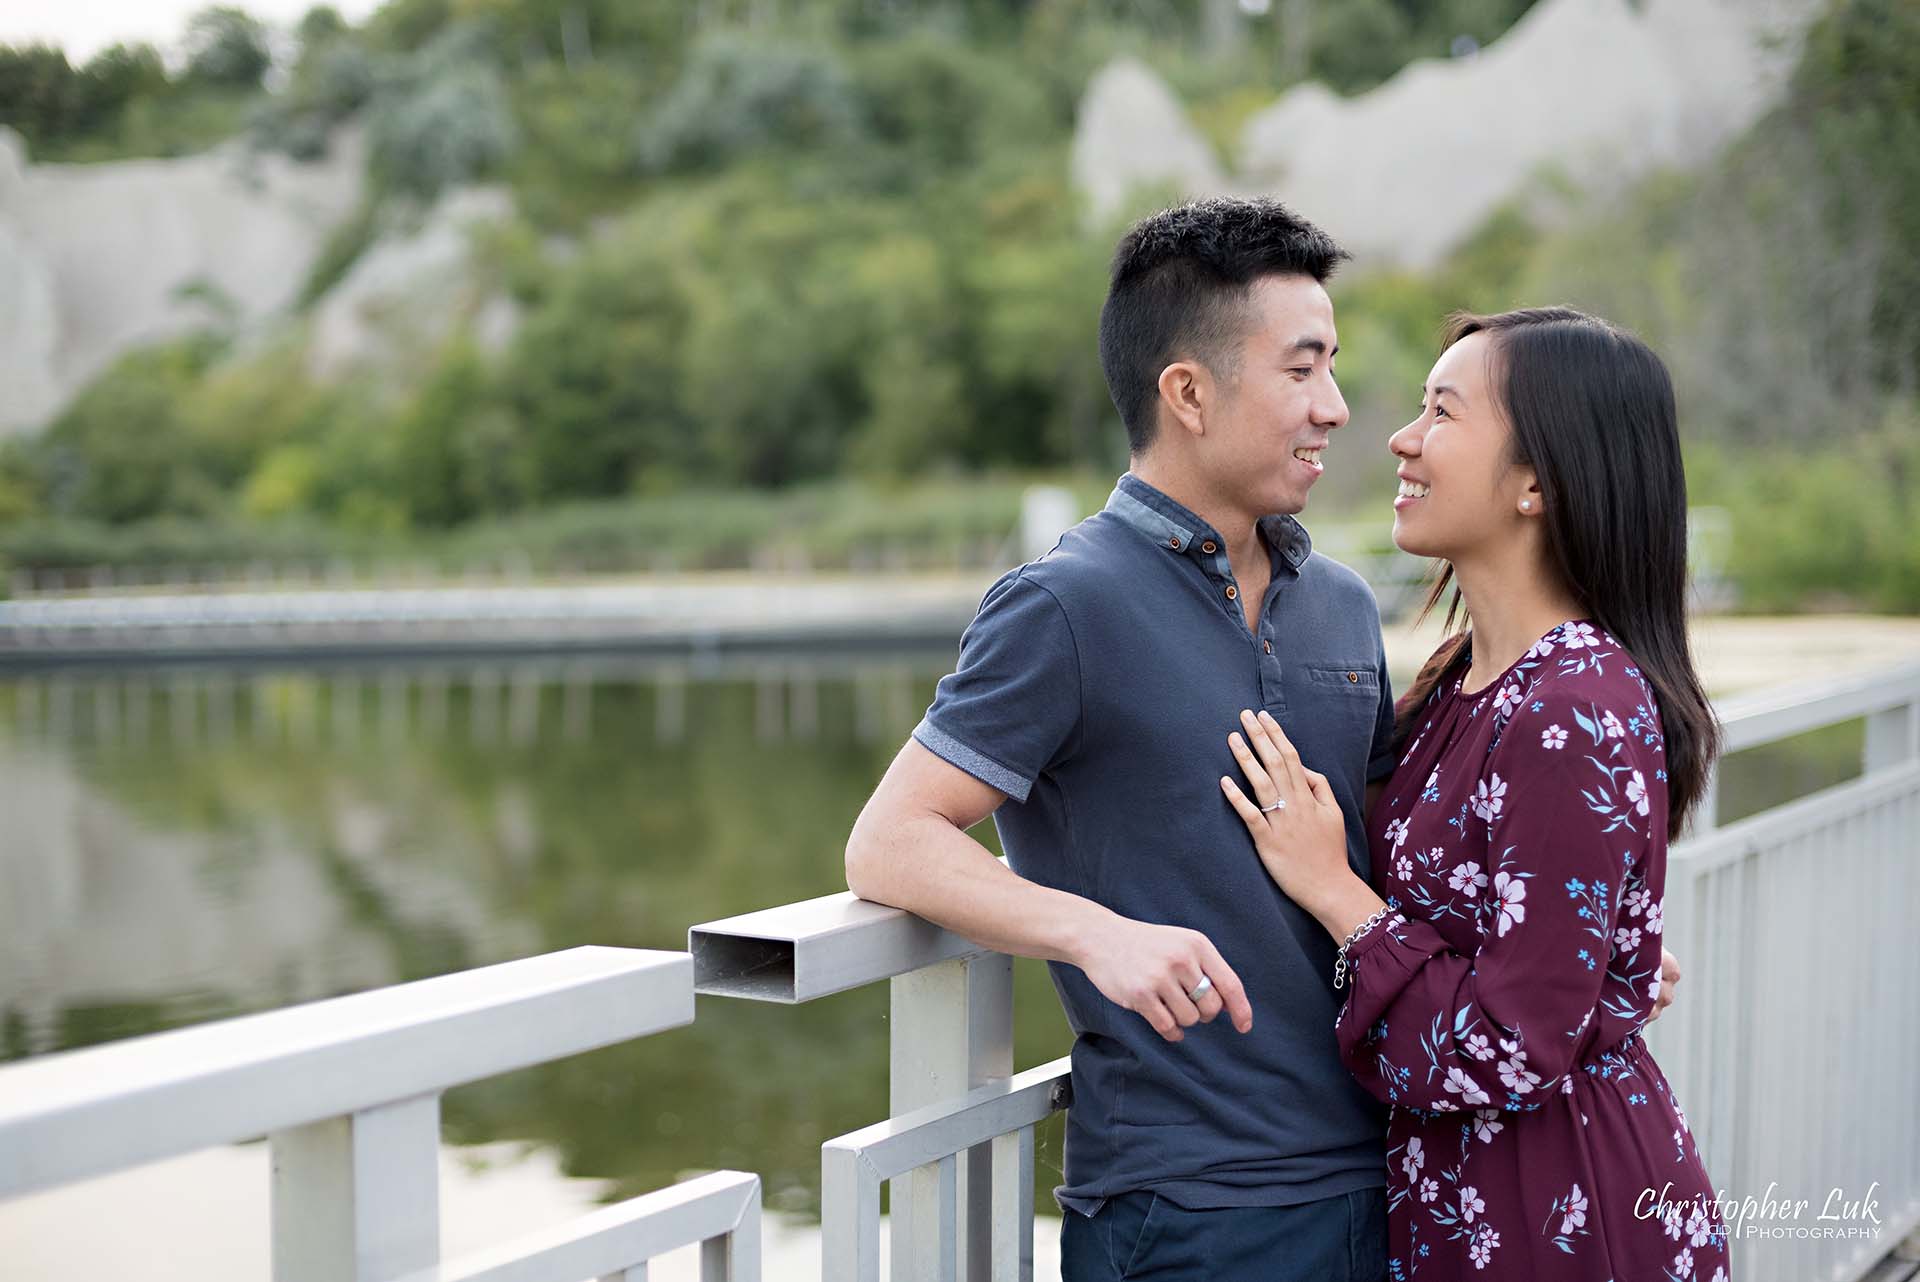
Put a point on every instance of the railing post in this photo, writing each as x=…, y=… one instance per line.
x=1893, y=736
x=357, y=1199
x=952, y=1031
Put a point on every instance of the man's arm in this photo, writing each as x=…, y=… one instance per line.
x=910, y=849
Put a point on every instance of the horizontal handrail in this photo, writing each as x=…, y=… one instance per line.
x=815, y=948
x=900, y=1144
x=1783, y=711
x=87, y=1112
x=721, y=1211
x=1791, y=820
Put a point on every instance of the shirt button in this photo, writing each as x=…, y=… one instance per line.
x=1208, y=547
x=1353, y=678
x=1232, y=592
x=1174, y=543
x=1269, y=646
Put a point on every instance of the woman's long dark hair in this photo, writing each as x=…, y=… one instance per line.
x=1593, y=415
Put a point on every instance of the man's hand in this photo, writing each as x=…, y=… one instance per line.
x=1150, y=969
x=1669, y=980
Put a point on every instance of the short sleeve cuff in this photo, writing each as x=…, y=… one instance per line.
x=979, y=765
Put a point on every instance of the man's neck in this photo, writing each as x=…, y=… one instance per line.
x=1240, y=531
x=1512, y=603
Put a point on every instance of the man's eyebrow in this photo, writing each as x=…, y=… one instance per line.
x=1317, y=346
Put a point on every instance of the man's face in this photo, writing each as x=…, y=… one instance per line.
x=1272, y=416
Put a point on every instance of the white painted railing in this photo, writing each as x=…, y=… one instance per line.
x=348, y=1093
x=962, y=1197
x=1795, y=1043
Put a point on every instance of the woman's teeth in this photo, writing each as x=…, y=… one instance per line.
x=1412, y=490
x=1309, y=455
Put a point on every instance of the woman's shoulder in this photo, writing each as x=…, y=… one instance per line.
x=1581, y=681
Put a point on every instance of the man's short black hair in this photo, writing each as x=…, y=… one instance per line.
x=1181, y=282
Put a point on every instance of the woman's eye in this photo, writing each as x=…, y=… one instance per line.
x=1439, y=411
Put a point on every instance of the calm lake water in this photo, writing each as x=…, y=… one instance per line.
x=183, y=846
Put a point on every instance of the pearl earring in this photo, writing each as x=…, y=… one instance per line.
x=1526, y=505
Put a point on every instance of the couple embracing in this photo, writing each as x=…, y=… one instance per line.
x=1357, y=991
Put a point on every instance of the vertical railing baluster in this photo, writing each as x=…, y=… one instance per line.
x=951, y=1031
x=1013, y=1206
x=357, y=1199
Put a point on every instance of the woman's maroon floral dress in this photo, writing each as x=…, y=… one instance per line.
x=1522, y=846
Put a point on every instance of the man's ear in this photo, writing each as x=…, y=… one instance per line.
x=1186, y=392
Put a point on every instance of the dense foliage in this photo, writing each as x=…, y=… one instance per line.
x=807, y=241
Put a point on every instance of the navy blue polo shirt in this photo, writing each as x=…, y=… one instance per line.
x=1096, y=688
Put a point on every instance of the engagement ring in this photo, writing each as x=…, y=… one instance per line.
x=1278, y=805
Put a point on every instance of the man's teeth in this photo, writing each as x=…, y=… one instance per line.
x=1306, y=455
x=1412, y=490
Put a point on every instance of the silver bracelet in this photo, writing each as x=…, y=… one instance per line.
x=1340, y=961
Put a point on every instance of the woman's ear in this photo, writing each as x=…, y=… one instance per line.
x=1531, y=502
x=1185, y=389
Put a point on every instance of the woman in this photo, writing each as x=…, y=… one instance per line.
x=1495, y=995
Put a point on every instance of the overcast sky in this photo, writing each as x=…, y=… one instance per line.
x=84, y=27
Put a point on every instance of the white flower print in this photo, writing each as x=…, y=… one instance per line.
x=1627, y=938
x=1576, y=1213
x=1683, y=1264
x=1637, y=792
x=1670, y=1219
x=1465, y=1087
x=1508, y=892
x=1576, y=636
x=1403, y=868
x=1541, y=648
x=1487, y=1124
x=1635, y=901
x=1433, y=778
x=1468, y=878
x=1719, y=1273
x=1611, y=724
x=1488, y=798
x=1699, y=1227
x=1471, y=1203
x=1653, y=990
x=1397, y=833
x=1477, y=1046
x=1553, y=737
x=1507, y=700
x=1414, y=1160
x=1566, y=1084
x=1429, y=1190
x=1481, y=1249
x=1656, y=919
x=1513, y=1072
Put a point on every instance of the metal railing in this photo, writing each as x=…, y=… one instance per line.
x=347, y=1092
x=1795, y=1043
x=962, y=1204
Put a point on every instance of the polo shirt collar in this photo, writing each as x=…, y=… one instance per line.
x=1178, y=531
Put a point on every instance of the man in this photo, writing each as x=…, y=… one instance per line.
x=1089, y=715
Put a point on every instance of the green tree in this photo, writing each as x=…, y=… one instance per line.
x=227, y=47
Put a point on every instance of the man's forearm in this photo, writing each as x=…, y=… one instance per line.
x=936, y=871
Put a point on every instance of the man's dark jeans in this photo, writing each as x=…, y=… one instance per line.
x=1145, y=1236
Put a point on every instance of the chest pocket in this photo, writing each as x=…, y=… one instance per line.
x=1346, y=698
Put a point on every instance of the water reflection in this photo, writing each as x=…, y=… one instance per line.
x=186, y=846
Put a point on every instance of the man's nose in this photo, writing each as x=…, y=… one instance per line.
x=1330, y=411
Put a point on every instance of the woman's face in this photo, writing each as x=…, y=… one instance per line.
x=1459, y=494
